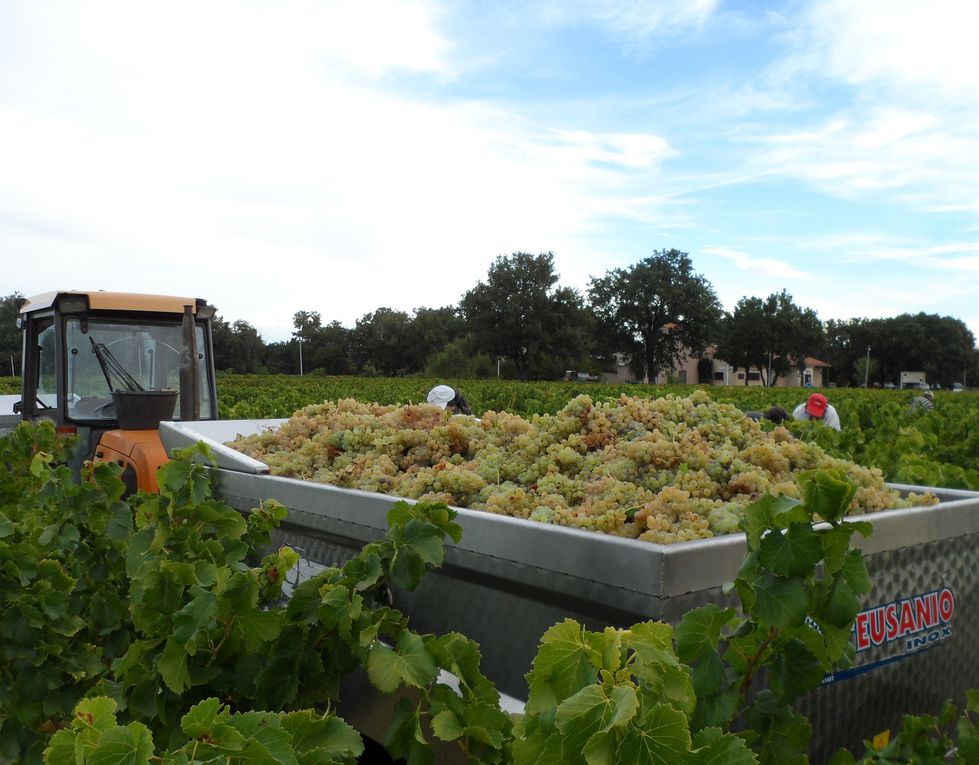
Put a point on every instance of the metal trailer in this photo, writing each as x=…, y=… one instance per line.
x=509, y=580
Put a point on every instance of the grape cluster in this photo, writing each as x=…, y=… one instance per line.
x=664, y=470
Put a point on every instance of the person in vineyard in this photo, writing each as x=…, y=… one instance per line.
x=449, y=398
x=775, y=414
x=923, y=403
x=816, y=407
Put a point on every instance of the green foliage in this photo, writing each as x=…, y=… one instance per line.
x=636, y=304
x=63, y=590
x=615, y=696
x=10, y=337
x=212, y=734
x=796, y=619
x=771, y=335
x=519, y=314
x=935, y=448
x=949, y=737
x=153, y=632
x=153, y=608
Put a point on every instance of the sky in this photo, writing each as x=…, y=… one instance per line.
x=337, y=157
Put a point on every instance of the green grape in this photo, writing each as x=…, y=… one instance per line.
x=662, y=470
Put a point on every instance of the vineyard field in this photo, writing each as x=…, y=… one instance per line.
x=936, y=448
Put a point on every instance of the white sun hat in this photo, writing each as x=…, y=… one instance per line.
x=441, y=395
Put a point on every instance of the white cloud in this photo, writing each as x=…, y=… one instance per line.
x=899, y=43
x=635, y=20
x=226, y=156
x=764, y=267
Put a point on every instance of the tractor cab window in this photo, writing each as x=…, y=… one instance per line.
x=47, y=367
x=105, y=356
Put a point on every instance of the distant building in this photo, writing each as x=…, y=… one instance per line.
x=813, y=374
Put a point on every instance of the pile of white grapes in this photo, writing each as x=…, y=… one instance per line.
x=664, y=470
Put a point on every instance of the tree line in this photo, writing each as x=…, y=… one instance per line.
x=520, y=323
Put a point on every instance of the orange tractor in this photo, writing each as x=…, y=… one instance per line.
x=109, y=366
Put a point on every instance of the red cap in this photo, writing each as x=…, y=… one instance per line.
x=816, y=405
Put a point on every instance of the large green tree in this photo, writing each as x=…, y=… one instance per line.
x=432, y=330
x=238, y=347
x=737, y=338
x=10, y=337
x=382, y=342
x=520, y=315
x=658, y=310
x=773, y=335
x=942, y=347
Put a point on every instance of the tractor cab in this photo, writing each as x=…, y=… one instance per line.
x=108, y=366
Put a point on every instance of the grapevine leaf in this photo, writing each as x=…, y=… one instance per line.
x=660, y=737
x=120, y=523
x=972, y=701
x=205, y=573
x=238, y=595
x=459, y=655
x=657, y=666
x=712, y=746
x=785, y=742
x=321, y=736
x=408, y=662
x=836, y=542
x=625, y=703
x=60, y=749
x=203, y=716
x=181, y=477
x=653, y=643
x=967, y=740
x=194, y=617
x=417, y=546
x=717, y=709
x=259, y=626
x=266, y=741
x=783, y=735
x=700, y=630
x=600, y=749
x=446, y=725
x=131, y=745
x=794, y=670
x=794, y=552
x=173, y=666
x=768, y=512
x=827, y=493
x=486, y=723
x=566, y=662
x=579, y=717
x=838, y=604
x=365, y=569
x=404, y=737
x=708, y=675
x=278, y=681
x=854, y=571
x=780, y=601
x=438, y=514
x=97, y=712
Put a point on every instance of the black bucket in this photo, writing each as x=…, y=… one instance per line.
x=143, y=409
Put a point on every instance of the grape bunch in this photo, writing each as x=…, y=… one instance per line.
x=664, y=470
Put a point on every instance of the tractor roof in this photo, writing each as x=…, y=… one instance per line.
x=114, y=301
